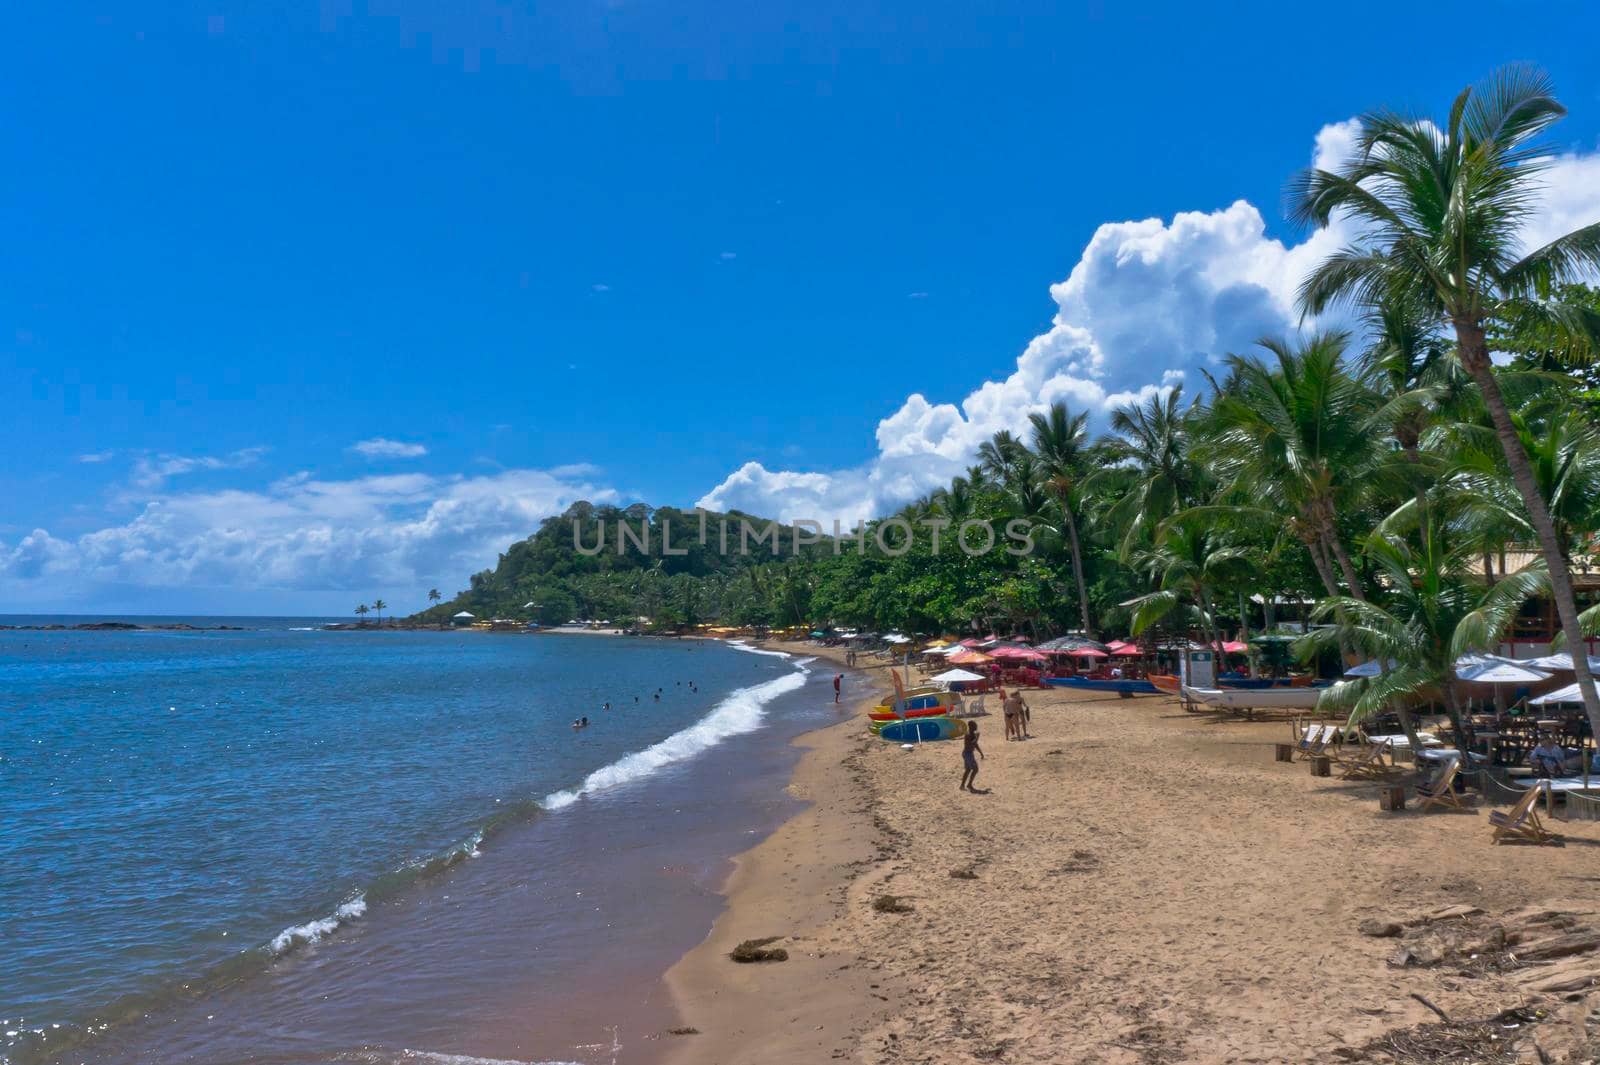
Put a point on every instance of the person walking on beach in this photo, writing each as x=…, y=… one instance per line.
x=970, y=753
x=837, y=677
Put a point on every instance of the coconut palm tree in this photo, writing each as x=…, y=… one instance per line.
x=433, y=595
x=1060, y=439
x=1193, y=557
x=379, y=605
x=1441, y=210
x=998, y=457
x=1291, y=434
x=1430, y=615
x=361, y=611
x=1149, y=448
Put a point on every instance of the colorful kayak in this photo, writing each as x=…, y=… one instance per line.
x=883, y=713
x=923, y=728
x=935, y=701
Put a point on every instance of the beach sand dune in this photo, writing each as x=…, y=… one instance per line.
x=1138, y=885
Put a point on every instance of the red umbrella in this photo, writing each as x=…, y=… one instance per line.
x=1123, y=649
x=1089, y=652
x=1234, y=647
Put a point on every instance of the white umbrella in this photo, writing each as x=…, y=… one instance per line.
x=1569, y=694
x=1561, y=661
x=1500, y=671
x=956, y=676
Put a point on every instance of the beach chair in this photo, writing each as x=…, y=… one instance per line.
x=1441, y=791
x=1314, y=740
x=1365, y=764
x=1521, y=822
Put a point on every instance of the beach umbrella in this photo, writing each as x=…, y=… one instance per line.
x=957, y=676
x=968, y=658
x=1561, y=661
x=1569, y=694
x=1235, y=647
x=1089, y=652
x=1500, y=672
x=1369, y=669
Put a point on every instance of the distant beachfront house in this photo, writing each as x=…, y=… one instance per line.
x=466, y=617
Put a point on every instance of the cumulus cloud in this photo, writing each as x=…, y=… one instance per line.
x=1147, y=305
x=301, y=533
x=382, y=448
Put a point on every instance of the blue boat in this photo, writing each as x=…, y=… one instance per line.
x=1121, y=687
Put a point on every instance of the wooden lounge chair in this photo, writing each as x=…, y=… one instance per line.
x=1365, y=764
x=1441, y=791
x=1521, y=822
x=1313, y=740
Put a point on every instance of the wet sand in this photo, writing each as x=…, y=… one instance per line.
x=1137, y=885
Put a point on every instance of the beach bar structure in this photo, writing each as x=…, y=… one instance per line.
x=466, y=617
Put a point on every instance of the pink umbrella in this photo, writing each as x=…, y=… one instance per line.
x=1089, y=652
x=1234, y=647
x=1122, y=648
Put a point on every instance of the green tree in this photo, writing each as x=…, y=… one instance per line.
x=1441, y=211
x=1060, y=439
x=361, y=610
x=379, y=605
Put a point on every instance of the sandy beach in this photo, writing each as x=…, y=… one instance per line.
x=1137, y=885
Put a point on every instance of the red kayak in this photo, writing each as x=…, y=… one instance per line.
x=890, y=715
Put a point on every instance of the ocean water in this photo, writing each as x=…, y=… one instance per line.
x=284, y=844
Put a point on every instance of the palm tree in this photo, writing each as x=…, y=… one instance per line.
x=998, y=456
x=1150, y=446
x=1408, y=370
x=1430, y=616
x=1193, y=556
x=379, y=605
x=433, y=595
x=361, y=611
x=1059, y=439
x=1292, y=435
x=1563, y=449
x=1441, y=211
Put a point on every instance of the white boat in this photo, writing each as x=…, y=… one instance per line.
x=1254, y=698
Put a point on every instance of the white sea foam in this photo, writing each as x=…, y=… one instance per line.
x=312, y=931
x=740, y=645
x=741, y=712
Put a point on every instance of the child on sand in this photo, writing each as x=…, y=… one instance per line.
x=970, y=753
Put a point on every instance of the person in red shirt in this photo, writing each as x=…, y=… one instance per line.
x=837, y=677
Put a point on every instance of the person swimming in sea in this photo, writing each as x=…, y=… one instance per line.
x=581, y=722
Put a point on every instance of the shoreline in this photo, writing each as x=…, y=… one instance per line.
x=1133, y=885
x=790, y=888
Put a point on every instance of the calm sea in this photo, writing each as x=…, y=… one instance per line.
x=290, y=845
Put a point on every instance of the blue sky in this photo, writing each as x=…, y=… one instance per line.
x=626, y=250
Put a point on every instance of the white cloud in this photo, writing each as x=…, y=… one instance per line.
x=397, y=532
x=97, y=456
x=1147, y=304
x=382, y=448
x=151, y=471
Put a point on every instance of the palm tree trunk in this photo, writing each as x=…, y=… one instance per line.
x=1351, y=577
x=1077, y=568
x=1208, y=618
x=1474, y=353
x=1319, y=561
